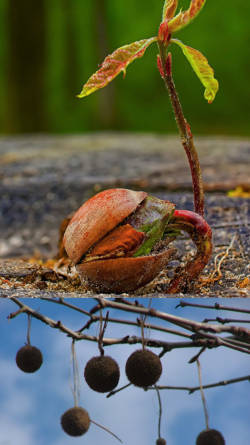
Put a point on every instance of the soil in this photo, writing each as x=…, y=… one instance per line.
x=46, y=178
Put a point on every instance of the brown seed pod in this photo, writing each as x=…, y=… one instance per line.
x=118, y=241
x=75, y=421
x=210, y=437
x=29, y=358
x=143, y=368
x=111, y=236
x=161, y=441
x=102, y=373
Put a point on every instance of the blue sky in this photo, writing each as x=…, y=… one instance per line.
x=31, y=404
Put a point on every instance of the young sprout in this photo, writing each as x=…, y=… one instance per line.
x=114, y=237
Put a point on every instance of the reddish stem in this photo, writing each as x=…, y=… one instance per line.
x=165, y=68
x=201, y=234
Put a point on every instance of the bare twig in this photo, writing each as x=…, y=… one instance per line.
x=63, y=302
x=115, y=391
x=225, y=320
x=217, y=306
x=195, y=358
x=192, y=389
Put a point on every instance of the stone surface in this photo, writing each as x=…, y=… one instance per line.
x=45, y=178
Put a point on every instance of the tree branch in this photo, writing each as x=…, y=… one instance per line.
x=192, y=389
x=218, y=306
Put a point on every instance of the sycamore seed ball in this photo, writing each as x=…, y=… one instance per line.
x=143, y=368
x=102, y=373
x=161, y=441
x=210, y=437
x=29, y=358
x=75, y=421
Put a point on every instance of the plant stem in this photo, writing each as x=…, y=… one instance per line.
x=28, y=329
x=203, y=395
x=76, y=389
x=201, y=234
x=184, y=129
x=160, y=410
x=106, y=429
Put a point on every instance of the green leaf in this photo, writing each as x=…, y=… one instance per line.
x=202, y=68
x=184, y=18
x=154, y=233
x=151, y=218
x=114, y=64
x=169, y=9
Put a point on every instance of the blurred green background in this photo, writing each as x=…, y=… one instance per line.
x=49, y=48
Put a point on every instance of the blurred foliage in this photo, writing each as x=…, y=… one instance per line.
x=76, y=36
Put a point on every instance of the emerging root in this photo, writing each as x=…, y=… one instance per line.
x=216, y=274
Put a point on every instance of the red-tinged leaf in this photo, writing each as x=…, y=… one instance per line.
x=202, y=68
x=184, y=18
x=169, y=9
x=114, y=64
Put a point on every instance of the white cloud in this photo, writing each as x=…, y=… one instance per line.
x=13, y=432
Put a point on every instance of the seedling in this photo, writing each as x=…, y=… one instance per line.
x=118, y=238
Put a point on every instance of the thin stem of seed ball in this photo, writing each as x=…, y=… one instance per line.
x=100, y=338
x=76, y=381
x=145, y=318
x=106, y=429
x=160, y=410
x=202, y=394
x=142, y=319
x=28, y=329
x=102, y=331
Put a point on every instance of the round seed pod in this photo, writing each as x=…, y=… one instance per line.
x=161, y=441
x=75, y=421
x=102, y=373
x=210, y=437
x=143, y=368
x=29, y=358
